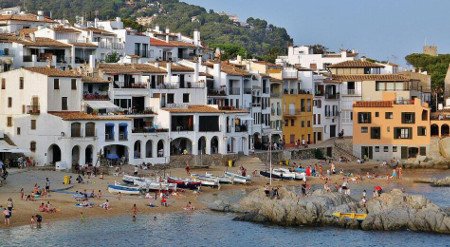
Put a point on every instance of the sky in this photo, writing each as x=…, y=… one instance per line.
x=379, y=29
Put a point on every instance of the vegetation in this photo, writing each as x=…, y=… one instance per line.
x=255, y=39
x=112, y=58
x=436, y=66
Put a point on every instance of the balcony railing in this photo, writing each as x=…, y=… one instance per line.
x=93, y=96
x=352, y=92
x=235, y=91
x=146, y=111
x=275, y=95
x=247, y=91
x=332, y=96
x=33, y=109
x=240, y=128
x=136, y=85
x=213, y=92
x=149, y=130
x=177, y=85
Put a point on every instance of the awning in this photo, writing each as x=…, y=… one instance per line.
x=112, y=156
x=6, y=148
x=246, y=118
x=101, y=104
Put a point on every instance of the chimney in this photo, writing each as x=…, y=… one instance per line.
x=197, y=68
x=167, y=38
x=169, y=72
x=157, y=28
x=167, y=30
x=196, y=38
x=91, y=63
x=96, y=22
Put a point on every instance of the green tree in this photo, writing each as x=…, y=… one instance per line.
x=112, y=58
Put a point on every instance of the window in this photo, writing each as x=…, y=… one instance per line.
x=170, y=98
x=386, y=148
x=9, y=121
x=90, y=130
x=144, y=50
x=402, y=133
x=377, y=149
x=424, y=115
x=408, y=117
x=318, y=118
x=302, y=105
x=421, y=131
x=33, y=124
x=56, y=84
x=286, y=123
x=23, y=109
x=18, y=131
x=308, y=124
x=21, y=83
x=423, y=151
x=377, y=114
x=364, y=117
x=74, y=84
x=394, y=149
x=375, y=133
x=292, y=122
x=364, y=129
x=314, y=119
x=64, y=103
x=303, y=124
x=388, y=115
x=185, y=98
x=137, y=49
x=9, y=102
x=3, y=83
x=33, y=146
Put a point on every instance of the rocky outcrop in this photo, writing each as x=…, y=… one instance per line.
x=445, y=182
x=390, y=211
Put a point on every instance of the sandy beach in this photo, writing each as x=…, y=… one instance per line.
x=66, y=209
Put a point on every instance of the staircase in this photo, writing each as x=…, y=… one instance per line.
x=343, y=148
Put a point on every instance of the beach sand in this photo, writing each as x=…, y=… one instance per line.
x=66, y=209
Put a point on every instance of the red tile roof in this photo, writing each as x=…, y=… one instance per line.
x=114, y=68
x=78, y=116
x=373, y=104
x=370, y=77
x=159, y=42
x=25, y=17
x=52, y=72
x=356, y=64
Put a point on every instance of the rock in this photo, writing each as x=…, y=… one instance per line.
x=390, y=211
x=445, y=182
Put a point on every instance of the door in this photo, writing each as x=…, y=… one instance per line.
x=366, y=152
x=332, y=131
x=404, y=153
x=182, y=81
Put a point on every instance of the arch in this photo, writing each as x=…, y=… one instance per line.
x=149, y=149
x=231, y=145
x=160, y=148
x=137, y=150
x=201, y=145
x=116, y=153
x=215, y=145
x=434, y=130
x=257, y=141
x=445, y=130
x=180, y=146
x=276, y=138
x=75, y=129
x=89, y=154
x=424, y=115
x=89, y=129
x=53, y=154
x=75, y=155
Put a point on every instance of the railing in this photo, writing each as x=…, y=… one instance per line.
x=352, y=92
x=290, y=74
x=92, y=96
x=33, y=109
x=149, y=130
x=404, y=102
x=177, y=85
x=235, y=91
x=240, y=128
x=113, y=45
x=256, y=104
x=132, y=85
x=332, y=96
x=275, y=95
x=147, y=110
x=318, y=93
x=27, y=58
x=212, y=92
x=247, y=91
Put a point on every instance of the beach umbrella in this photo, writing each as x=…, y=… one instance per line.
x=378, y=188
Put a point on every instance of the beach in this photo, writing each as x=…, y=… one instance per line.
x=66, y=209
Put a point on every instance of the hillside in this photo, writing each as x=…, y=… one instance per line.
x=436, y=66
x=258, y=39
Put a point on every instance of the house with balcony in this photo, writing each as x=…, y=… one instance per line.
x=14, y=21
x=391, y=128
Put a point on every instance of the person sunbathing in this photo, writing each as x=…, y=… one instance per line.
x=42, y=208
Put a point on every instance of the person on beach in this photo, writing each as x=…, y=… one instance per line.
x=105, y=205
x=9, y=205
x=47, y=185
x=22, y=194
x=119, y=196
x=188, y=169
x=99, y=194
x=164, y=201
x=7, y=215
x=38, y=220
x=364, y=193
x=32, y=220
x=267, y=190
x=189, y=207
x=134, y=211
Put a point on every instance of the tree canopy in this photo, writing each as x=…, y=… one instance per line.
x=436, y=66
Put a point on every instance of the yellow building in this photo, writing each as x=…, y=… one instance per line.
x=391, y=128
x=297, y=118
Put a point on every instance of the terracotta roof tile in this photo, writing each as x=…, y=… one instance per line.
x=52, y=72
x=96, y=79
x=77, y=44
x=176, y=67
x=78, y=116
x=356, y=64
x=100, y=31
x=373, y=104
x=163, y=43
x=370, y=77
x=44, y=42
x=25, y=17
x=114, y=68
x=63, y=29
x=233, y=70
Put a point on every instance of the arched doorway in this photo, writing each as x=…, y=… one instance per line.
x=75, y=155
x=201, y=145
x=214, y=145
x=137, y=150
x=160, y=148
x=116, y=153
x=53, y=154
x=231, y=143
x=88, y=154
x=149, y=149
x=445, y=130
x=434, y=130
x=181, y=146
x=257, y=141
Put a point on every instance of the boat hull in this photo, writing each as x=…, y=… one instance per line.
x=185, y=184
x=115, y=189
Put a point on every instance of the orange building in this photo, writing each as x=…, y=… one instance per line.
x=297, y=117
x=391, y=128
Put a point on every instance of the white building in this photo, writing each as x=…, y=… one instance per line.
x=13, y=22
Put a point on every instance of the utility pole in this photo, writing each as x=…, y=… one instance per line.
x=270, y=159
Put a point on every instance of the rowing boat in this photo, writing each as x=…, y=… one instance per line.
x=124, y=189
x=355, y=216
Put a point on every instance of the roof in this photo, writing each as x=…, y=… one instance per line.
x=114, y=68
x=52, y=72
x=77, y=115
x=233, y=70
x=159, y=42
x=63, y=29
x=373, y=104
x=202, y=109
x=356, y=64
x=273, y=79
x=99, y=31
x=43, y=42
x=27, y=31
x=177, y=67
x=25, y=17
x=369, y=77
x=205, y=74
x=90, y=79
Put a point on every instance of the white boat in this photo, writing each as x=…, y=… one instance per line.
x=128, y=179
x=283, y=173
x=297, y=175
x=238, y=178
x=207, y=181
x=153, y=185
x=123, y=189
x=222, y=180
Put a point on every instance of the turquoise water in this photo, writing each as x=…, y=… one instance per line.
x=202, y=229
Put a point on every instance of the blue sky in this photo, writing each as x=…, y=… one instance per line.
x=381, y=29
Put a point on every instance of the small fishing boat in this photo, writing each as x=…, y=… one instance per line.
x=153, y=185
x=185, y=183
x=267, y=174
x=222, y=180
x=207, y=181
x=129, y=179
x=297, y=175
x=355, y=216
x=298, y=169
x=238, y=178
x=283, y=173
x=124, y=189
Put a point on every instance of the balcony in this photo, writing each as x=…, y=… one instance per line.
x=332, y=96
x=275, y=95
x=213, y=92
x=33, y=109
x=94, y=96
x=353, y=92
x=177, y=85
x=235, y=91
x=291, y=75
x=149, y=130
x=247, y=91
x=240, y=128
x=146, y=111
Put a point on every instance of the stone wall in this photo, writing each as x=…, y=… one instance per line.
x=203, y=160
x=297, y=154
